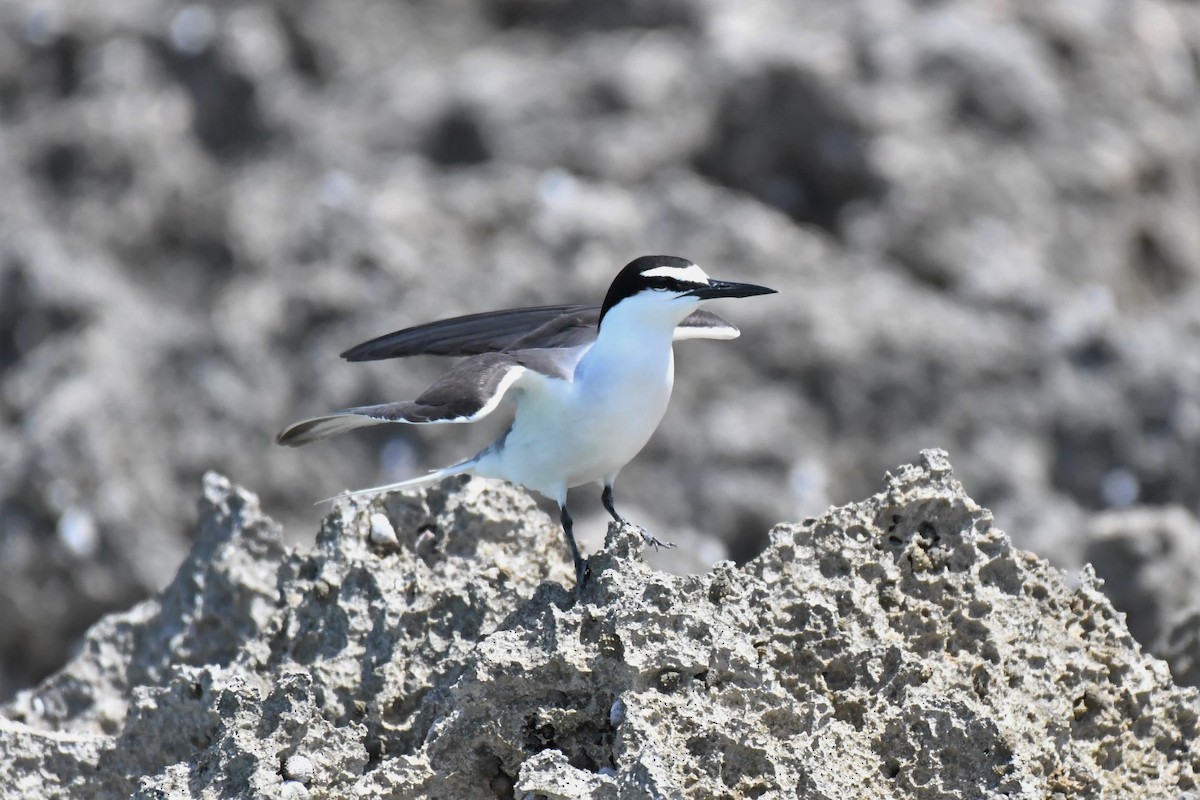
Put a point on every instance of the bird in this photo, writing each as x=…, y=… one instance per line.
x=589, y=383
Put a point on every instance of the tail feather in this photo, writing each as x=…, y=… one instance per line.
x=316, y=428
x=436, y=475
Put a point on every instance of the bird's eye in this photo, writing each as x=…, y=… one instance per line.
x=664, y=284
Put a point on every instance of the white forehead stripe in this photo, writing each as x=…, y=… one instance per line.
x=688, y=274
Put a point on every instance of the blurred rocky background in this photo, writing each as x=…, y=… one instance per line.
x=983, y=218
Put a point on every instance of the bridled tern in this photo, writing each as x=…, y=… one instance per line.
x=590, y=384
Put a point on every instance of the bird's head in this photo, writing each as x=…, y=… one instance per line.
x=670, y=287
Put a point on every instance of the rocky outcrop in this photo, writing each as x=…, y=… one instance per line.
x=981, y=218
x=428, y=646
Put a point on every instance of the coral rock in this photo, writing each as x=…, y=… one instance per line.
x=893, y=648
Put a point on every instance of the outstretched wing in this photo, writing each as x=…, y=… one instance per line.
x=488, y=332
x=472, y=389
x=701, y=324
x=538, y=327
x=578, y=328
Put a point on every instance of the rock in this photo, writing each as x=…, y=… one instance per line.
x=981, y=218
x=1149, y=560
x=293, y=790
x=382, y=532
x=548, y=774
x=896, y=647
x=298, y=768
x=1179, y=646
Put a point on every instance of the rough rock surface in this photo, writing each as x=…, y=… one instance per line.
x=981, y=217
x=893, y=648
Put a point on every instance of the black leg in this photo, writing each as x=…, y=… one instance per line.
x=607, y=498
x=580, y=565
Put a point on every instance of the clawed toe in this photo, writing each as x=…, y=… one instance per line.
x=655, y=543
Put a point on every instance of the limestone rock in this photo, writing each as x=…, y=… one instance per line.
x=1149, y=560
x=981, y=217
x=899, y=647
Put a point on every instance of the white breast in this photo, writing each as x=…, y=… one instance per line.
x=568, y=433
x=584, y=429
x=620, y=403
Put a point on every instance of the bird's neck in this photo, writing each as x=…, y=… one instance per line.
x=636, y=328
x=641, y=316
x=631, y=344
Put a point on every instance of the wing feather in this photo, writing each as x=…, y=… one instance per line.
x=470, y=391
x=536, y=327
x=488, y=332
x=701, y=324
x=501, y=348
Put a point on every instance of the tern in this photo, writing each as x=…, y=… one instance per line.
x=589, y=384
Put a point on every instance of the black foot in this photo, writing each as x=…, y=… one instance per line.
x=606, y=497
x=652, y=542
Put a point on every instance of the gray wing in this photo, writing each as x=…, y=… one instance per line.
x=579, y=327
x=488, y=332
x=538, y=327
x=572, y=329
x=470, y=391
x=701, y=324
x=541, y=341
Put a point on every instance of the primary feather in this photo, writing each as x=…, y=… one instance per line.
x=516, y=329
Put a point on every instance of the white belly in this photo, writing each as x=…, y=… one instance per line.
x=586, y=430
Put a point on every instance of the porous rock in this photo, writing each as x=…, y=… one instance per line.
x=980, y=215
x=896, y=647
x=1180, y=644
x=1149, y=559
